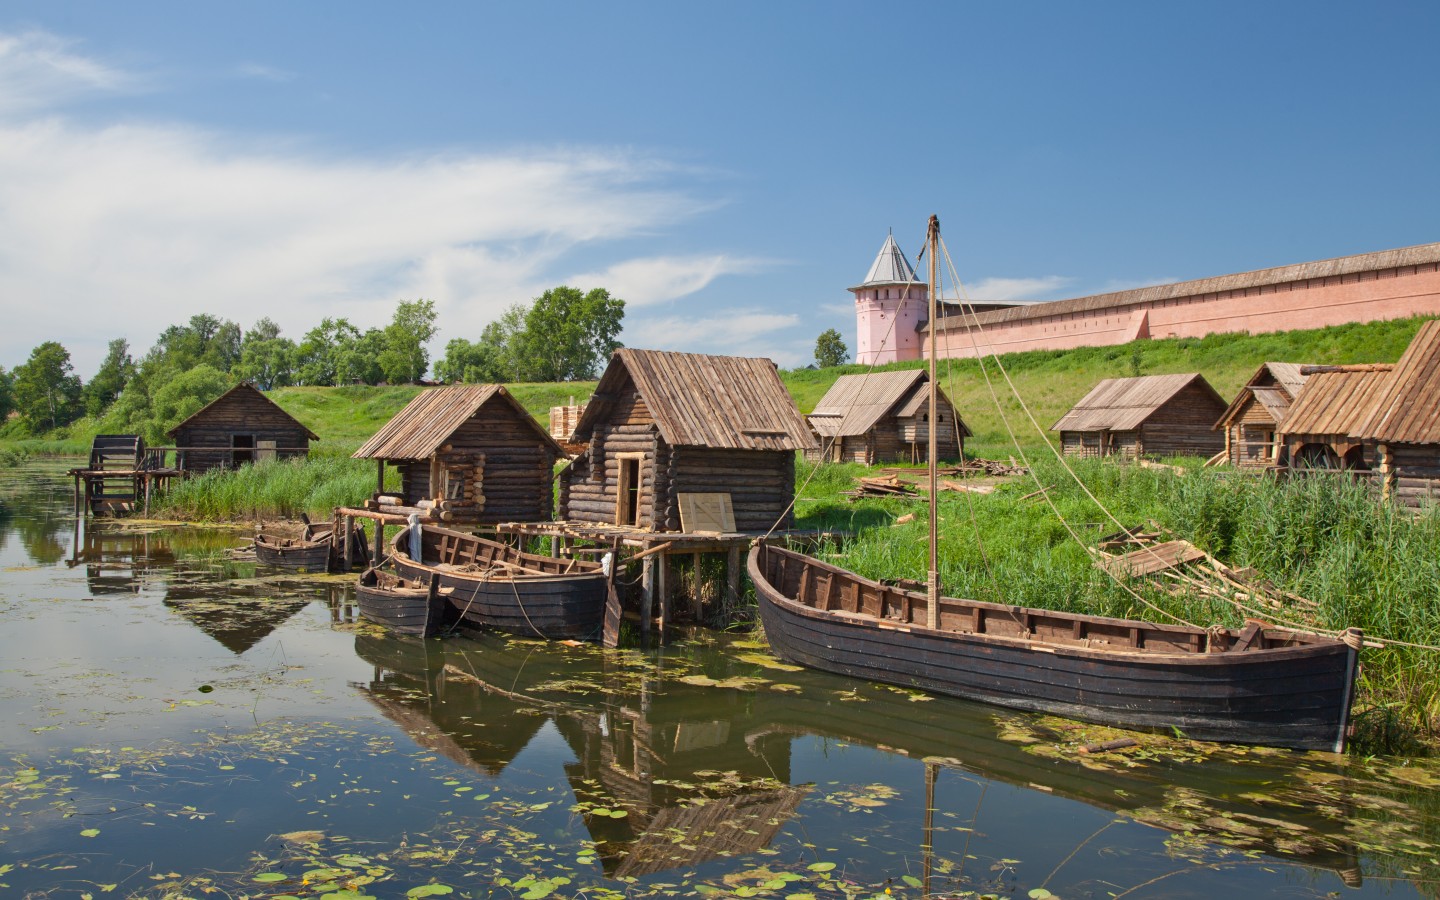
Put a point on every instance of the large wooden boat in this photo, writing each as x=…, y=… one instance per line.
x=497, y=586
x=406, y=607
x=299, y=554
x=1259, y=685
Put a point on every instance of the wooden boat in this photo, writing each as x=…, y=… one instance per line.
x=496, y=586
x=1262, y=685
x=406, y=607
x=299, y=554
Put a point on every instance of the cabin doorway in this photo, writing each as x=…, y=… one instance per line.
x=242, y=449
x=627, y=489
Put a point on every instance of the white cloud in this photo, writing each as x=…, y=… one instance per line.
x=999, y=289
x=736, y=332
x=38, y=71
x=643, y=282
x=263, y=72
x=122, y=230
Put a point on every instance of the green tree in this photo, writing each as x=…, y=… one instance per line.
x=266, y=358
x=405, y=359
x=359, y=360
x=180, y=397
x=47, y=391
x=7, y=394
x=830, y=349
x=114, y=373
x=477, y=363
x=317, y=358
x=568, y=335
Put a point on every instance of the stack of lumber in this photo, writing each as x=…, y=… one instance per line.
x=973, y=467
x=881, y=486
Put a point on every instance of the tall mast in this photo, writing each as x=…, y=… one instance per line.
x=932, y=612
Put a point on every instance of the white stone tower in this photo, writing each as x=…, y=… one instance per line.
x=889, y=307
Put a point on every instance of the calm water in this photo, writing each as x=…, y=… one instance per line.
x=177, y=724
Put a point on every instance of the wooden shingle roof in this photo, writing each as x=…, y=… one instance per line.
x=1274, y=385
x=722, y=402
x=1335, y=400
x=427, y=421
x=855, y=403
x=242, y=388
x=1123, y=404
x=1407, y=409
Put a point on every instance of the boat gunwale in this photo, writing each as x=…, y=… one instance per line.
x=441, y=570
x=1315, y=645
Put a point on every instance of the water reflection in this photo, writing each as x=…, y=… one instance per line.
x=701, y=771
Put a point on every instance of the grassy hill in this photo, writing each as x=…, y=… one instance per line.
x=1050, y=381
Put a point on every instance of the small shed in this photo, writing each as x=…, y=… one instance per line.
x=1154, y=415
x=467, y=453
x=711, y=434
x=1323, y=428
x=1404, y=423
x=240, y=426
x=884, y=417
x=1253, y=418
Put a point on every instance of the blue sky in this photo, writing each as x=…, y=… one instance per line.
x=728, y=169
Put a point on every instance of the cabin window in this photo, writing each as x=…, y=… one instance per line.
x=627, y=489
x=242, y=449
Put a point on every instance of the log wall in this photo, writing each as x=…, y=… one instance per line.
x=761, y=484
x=589, y=488
x=206, y=439
x=1184, y=425
x=1411, y=473
x=1248, y=447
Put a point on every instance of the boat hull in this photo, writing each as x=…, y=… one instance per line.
x=1294, y=696
x=402, y=609
x=523, y=601
x=299, y=556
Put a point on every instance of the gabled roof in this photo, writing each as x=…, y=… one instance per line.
x=1278, y=382
x=1407, y=409
x=855, y=403
x=239, y=389
x=427, y=421
x=890, y=266
x=1123, y=404
x=728, y=402
x=1335, y=400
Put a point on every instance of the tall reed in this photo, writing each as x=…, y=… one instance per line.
x=267, y=489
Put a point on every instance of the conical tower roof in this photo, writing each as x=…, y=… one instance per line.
x=890, y=266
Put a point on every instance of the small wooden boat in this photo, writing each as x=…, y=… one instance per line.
x=1259, y=685
x=299, y=554
x=406, y=607
x=496, y=586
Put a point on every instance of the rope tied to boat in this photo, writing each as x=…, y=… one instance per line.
x=1354, y=638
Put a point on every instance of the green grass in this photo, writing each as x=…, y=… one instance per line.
x=1365, y=564
x=271, y=489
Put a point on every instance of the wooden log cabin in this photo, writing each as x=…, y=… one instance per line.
x=879, y=417
x=1154, y=415
x=1252, y=421
x=665, y=427
x=1322, y=430
x=466, y=454
x=1404, y=423
x=240, y=426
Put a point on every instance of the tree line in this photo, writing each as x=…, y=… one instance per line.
x=562, y=335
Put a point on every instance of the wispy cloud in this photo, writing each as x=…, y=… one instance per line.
x=120, y=230
x=998, y=289
x=739, y=331
x=38, y=71
x=263, y=72
x=642, y=282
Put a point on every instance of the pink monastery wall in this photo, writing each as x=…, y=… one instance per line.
x=1355, y=296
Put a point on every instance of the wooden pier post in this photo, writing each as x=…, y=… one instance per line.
x=348, y=536
x=732, y=578
x=662, y=586
x=377, y=552
x=647, y=593
x=697, y=602
x=77, y=495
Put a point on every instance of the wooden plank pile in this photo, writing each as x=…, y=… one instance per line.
x=881, y=486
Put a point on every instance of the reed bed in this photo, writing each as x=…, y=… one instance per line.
x=1364, y=563
x=271, y=489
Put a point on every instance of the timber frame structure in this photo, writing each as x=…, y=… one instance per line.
x=1153, y=415
x=240, y=426
x=466, y=454
x=1252, y=422
x=672, y=436
x=879, y=417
